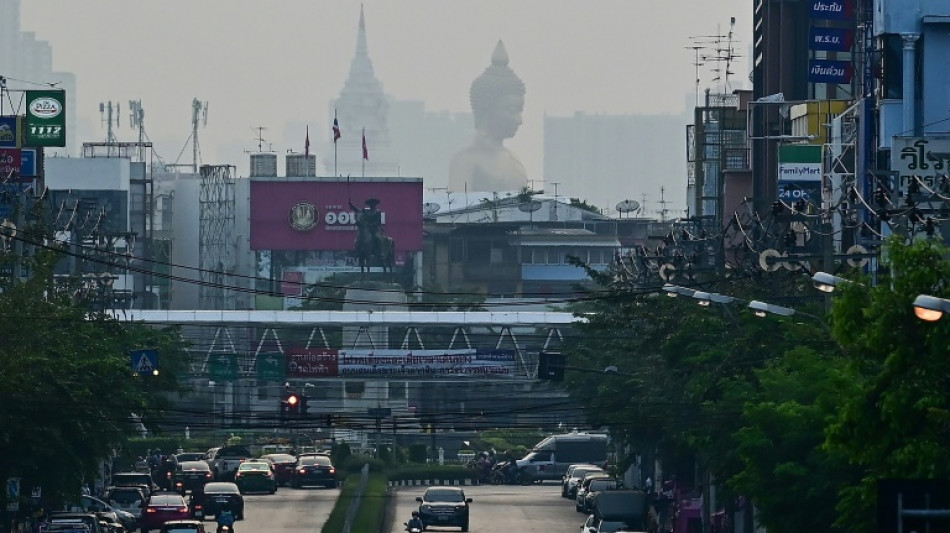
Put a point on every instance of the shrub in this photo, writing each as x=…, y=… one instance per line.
x=354, y=463
x=434, y=472
x=340, y=453
x=418, y=453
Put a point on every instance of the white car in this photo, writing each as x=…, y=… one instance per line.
x=128, y=499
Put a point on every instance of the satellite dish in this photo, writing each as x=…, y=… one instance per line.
x=430, y=208
x=7, y=230
x=530, y=206
x=857, y=249
x=628, y=206
x=667, y=272
x=764, y=263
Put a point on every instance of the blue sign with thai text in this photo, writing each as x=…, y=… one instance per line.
x=28, y=162
x=830, y=39
x=832, y=9
x=830, y=71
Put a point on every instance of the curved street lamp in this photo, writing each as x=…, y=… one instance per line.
x=930, y=308
x=826, y=282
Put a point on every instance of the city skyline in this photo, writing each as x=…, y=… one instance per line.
x=610, y=57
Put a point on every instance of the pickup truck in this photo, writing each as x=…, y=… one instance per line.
x=226, y=460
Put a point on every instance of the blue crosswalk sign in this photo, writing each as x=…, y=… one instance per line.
x=145, y=361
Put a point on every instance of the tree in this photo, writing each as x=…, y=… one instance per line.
x=66, y=383
x=897, y=424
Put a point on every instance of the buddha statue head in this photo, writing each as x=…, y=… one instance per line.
x=497, y=97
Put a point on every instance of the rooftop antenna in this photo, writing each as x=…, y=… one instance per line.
x=643, y=203
x=198, y=109
x=724, y=54
x=107, y=117
x=137, y=121
x=663, y=202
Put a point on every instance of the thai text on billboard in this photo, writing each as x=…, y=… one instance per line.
x=832, y=9
x=830, y=39
x=321, y=215
x=830, y=71
x=923, y=157
x=317, y=363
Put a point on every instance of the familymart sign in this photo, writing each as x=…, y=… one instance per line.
x=799, y=172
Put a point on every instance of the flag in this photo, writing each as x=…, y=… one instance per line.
x=306, y=144
x=336, y=130
x=365, y=151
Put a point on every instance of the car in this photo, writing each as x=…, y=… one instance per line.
x=190, y=456
x=65, y=521
x=256, y=476
x=219, y=495
x=128, y=499
x=444, y=506
x=162, y=507
x=314, y=470
x=590, y=488
x=283, y=466
x=191, y=474
x=91, y=504
x=226, y=460
x=571, y=481
x=134, y=479
x=183, y=526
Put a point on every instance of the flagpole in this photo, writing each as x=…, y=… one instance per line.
x=336, y=129
x=363, y=159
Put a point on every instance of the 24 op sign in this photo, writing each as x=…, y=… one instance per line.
x=45, y=118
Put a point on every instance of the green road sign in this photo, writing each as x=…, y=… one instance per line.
x=222, y=367
x=270, y=367
x=45, y=118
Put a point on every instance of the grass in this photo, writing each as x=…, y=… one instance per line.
x=372, y=509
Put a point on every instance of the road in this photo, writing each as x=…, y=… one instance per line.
x=288, y=511
x=532, y=509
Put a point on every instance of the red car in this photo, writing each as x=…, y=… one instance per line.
x=162, y=507
x=283, y=466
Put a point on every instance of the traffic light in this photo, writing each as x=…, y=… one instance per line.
x=293, y=403
x=302, y=406
x=329, y=421
x=551, y=366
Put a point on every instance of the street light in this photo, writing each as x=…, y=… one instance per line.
x=930, y=308
x=826, y=282
x=761, y=309
x=706, y=298
x=675, y=290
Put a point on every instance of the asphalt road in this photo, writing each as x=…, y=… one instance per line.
x=532, y=509
x=288, y=511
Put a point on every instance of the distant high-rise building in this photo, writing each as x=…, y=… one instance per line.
x=26, y=62
x=436, y=135
x=362, y=112
x=604, y=159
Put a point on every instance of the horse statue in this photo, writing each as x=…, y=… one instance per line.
x=375, y=250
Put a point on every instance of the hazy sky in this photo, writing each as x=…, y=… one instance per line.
x=278, y=63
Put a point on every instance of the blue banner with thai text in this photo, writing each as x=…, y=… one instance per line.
x=831, y=39
x=830, y=71
x=832, y=9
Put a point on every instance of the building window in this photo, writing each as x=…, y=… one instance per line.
x=554, y=256
x=397, y=390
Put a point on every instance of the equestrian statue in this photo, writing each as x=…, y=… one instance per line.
x=373, y=247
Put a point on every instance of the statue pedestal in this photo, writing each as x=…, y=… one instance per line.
x=371, y=296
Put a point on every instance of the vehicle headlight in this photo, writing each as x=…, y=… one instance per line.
x=426, y=508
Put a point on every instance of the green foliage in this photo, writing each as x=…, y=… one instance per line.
x=517, y=440
x=372, y=504
x=418, y=453
x=582, y=204
x=355, y=462
x=66, y=383
x=896, y=423
x=340, y=453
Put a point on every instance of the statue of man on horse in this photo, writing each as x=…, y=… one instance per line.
x=372, y=245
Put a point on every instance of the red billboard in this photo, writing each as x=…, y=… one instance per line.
x=316, y=215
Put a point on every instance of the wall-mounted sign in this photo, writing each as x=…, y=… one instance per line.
x=45, y=118
x=830, y=39
x=799, y=173
x=28, y=163
x=830, y=71
x=927, y=158
x=10, y=162
x=9, y=132
x=832, y=9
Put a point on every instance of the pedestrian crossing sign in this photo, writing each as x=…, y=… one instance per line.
x=145, y=361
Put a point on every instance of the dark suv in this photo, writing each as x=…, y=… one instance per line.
x=444, y=506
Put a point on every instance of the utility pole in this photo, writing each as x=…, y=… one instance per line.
x=198, y=108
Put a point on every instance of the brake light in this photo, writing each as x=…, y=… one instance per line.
x=149, y=509
x=183, y=509
x=332, y=470
x=208, y=475
x=168, y=475
x=237, y=475
x=302, y=471
x=198, y=506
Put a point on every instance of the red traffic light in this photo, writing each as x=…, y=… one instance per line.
x=292, y=400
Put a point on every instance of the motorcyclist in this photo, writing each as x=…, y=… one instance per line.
x=225, y=518
x=511, y=467
x=415, y=522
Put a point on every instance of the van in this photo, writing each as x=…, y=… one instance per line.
x=550, y=458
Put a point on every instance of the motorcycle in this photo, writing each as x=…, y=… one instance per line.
x=501, y=475
x=412, y=529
